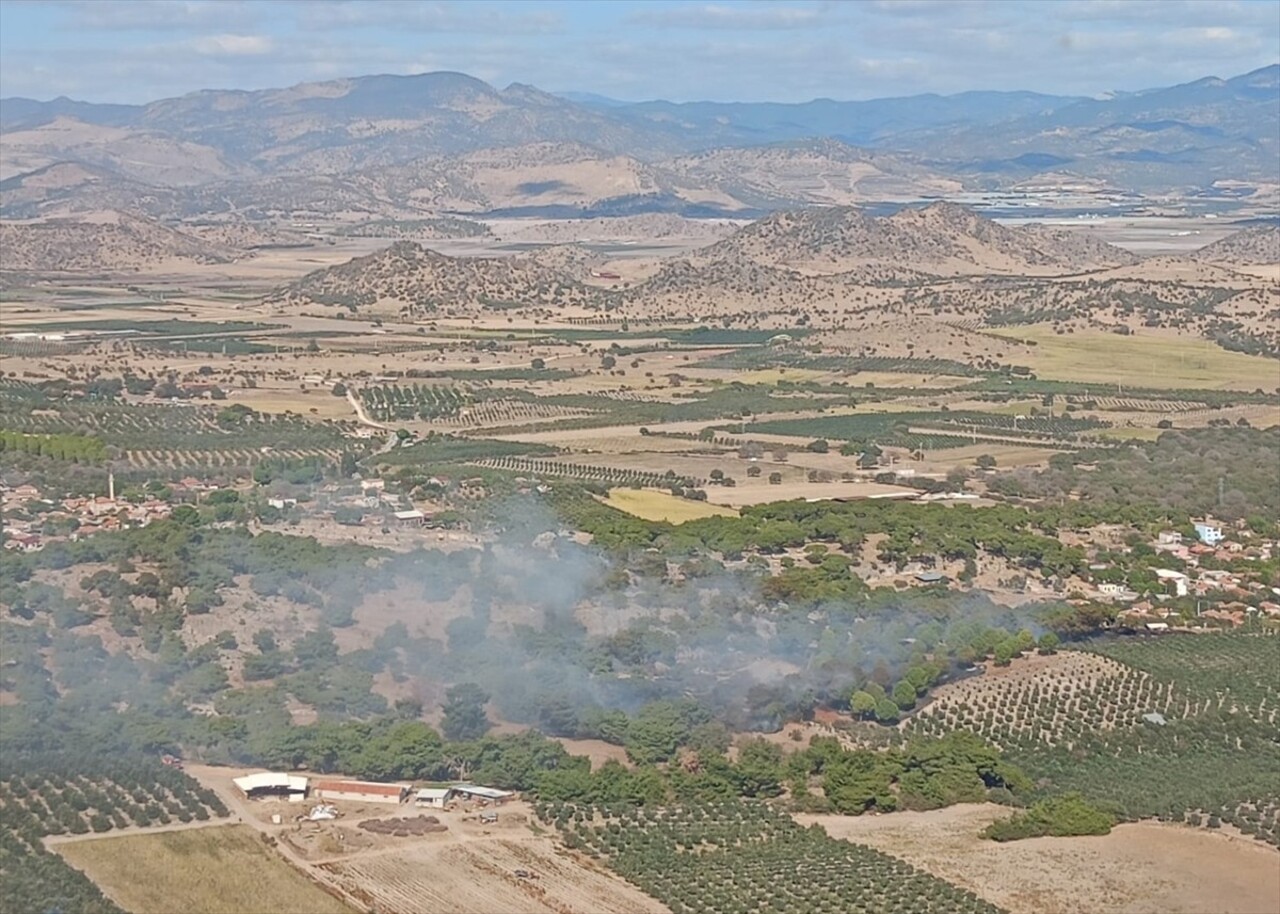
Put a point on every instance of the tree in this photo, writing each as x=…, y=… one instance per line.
x=887, y=712
x=538, y=364
x=862, y=703
x=904, y=695
x=986, y=462
x=754, y=471
x=464, y=716
x=339, y=390
x=1048, y=643
x=775, y=479
x=819, y=446
x=608, y=362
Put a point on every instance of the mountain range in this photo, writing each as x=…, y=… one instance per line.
x=458, y=143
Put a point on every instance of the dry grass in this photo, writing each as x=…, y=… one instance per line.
x=650, y=504
x=1142, y=868
x=216, y=870
x=477, y=876
x=1131, y=434
x=1141, y=360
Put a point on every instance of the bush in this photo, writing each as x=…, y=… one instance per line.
x=1059, y=817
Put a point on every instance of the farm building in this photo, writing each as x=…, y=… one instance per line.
x=411, y=518
x=489, y=794
x=435, y=797
x=292, y=787
x=362, y=791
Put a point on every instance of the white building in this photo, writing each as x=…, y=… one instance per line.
x=434, y=797
x=1179, y=580
x=1210, y=533
x=292, y=787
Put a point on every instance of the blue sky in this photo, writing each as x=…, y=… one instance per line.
x=139, y=50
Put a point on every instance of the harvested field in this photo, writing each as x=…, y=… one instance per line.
x=217, y=870
x=479, y=877
x=650, y=504
x=1140, y=360
x=1141, y=868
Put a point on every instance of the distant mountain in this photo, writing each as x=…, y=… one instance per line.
x=866, y=123
x=356, y=138
x=1173, y=138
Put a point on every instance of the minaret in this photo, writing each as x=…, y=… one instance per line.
x=111, y=485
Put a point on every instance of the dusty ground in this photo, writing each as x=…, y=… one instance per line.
x=468, y=869
x=1142, y=868
x=222, y=869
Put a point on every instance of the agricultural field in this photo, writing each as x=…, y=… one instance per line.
x=224, y=869
x=477, y=876
x=1140, y=360
x=48, y=797
x=1111, y=721
x=731, y=856
x=654, y=505
x=1144, y=867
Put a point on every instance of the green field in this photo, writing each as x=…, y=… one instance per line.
x=1142, y=360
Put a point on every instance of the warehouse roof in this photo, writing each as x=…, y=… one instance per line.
x=488, y=793
x=271, y=780
x=390, y=790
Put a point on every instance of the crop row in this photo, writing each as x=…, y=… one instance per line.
x=53, y=796
x=735, y=857
x=418, y=401
x=623, y=477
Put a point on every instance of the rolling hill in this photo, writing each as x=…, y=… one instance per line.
x=940, y=239
x=1259, y=245
x=411, y=279
x=110, y=242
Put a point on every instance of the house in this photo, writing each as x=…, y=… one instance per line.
x=362, y=791
x=930, y=577
x=291, y=787
x=1208, y=532
x=1179, y=580
x=23, y=542
x=414, y=518
x=372, y=485
x=434, y=797
x=1157, y=626
x=281, y=503
x=1169, y=538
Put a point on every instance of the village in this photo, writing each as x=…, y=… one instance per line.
x=1208, y=574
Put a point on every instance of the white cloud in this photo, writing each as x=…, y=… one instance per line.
x=232, y=45
x=745, y=17
x=412, y=15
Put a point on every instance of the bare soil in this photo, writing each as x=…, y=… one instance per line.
x=1140, y=868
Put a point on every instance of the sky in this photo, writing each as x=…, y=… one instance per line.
x=135, y=51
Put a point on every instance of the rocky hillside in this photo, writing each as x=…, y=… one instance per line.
x=411, y=279
x=1253, y=246
x=106, y=243
x=824, y=172
x=941, y=239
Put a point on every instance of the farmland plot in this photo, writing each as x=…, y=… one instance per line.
x=478, y=877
